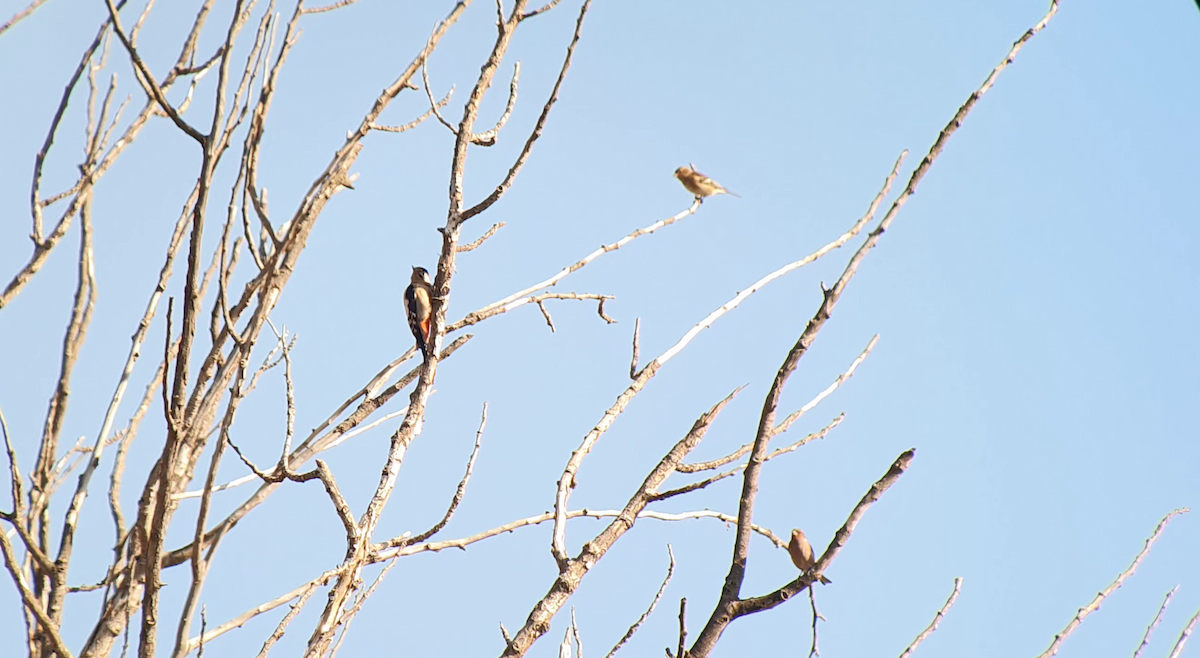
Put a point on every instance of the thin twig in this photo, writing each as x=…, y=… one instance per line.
x=21, y=15
x=546, y=314
x=471, y=246
x=1183, y=636
x=336, y=5
x=504, y=305
x=1154, y=623
x=488, y=138
x=816, y=615
x=741, y=607
x=544, y=8
x=633, y=362
x=1095, y=604
x=458, y=493
x=787, y=422
x=575, y=634
x=463, y=542
x=937, y=619
x=815, y=436
x=653, y=603
x=417, y=121
x=681, y=652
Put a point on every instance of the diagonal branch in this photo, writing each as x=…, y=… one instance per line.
x=726, y=613
x=1104, y=593
x=572, y=570
x=537, y=128
x=1154, y=622
x=937, y=619
x=653, y=603
x=147, y=79
x=458, y=493
x=787, y=422
x=20, y=15
x=1183, y=636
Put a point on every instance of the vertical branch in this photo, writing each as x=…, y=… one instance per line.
x=81, y=315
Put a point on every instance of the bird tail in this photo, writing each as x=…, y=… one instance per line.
x=824, y=580
x=733, y=194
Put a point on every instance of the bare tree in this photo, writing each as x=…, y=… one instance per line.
x=203, y=377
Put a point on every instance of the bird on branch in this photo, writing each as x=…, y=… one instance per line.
x=699, y=184
x=802, y=554
x=419, y=308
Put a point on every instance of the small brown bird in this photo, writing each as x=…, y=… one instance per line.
x=699, y=184
x=802, y=554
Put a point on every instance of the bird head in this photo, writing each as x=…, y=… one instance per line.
x=683, y=172
x=421, y=275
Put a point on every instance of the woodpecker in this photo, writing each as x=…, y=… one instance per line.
x=699, y=184
x=418, y=307
x=802, y=554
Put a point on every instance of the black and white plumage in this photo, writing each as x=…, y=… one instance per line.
x=419, y=308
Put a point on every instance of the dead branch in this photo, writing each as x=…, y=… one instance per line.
x=650, y=610
x=937, y=619
x=471, y=246
x=1095, y=604
x=24, y=13
x=572, y=570
x=727, y=612
x=1183, y=636
x=1154, y=622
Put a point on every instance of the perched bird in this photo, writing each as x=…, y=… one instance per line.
x=802, y=554
x=418, y=307
x=699, y=184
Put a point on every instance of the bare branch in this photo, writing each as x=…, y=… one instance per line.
x=417, y=121
x=458, y=493
x=566, y=482
x=47, y=627
x=787, y=422
x=726, y=613
x=1187, y=630
x=815, y=436
x=471, y=246
x=435, y=106
x=546, y=314
x=575, y=634
x=489, y=138
x=544, y=8
x=653, y=603
x=506, y=304
x=1095, y=604
x=336, y=5
x=17, y=17
x=358, y=604
x=681, y=652
x=459, y=218
x=816, y=615
x=304, y=590
x=572, y=570
x=146, y=78
x=633, y=362
x=462, y=543
x=937, y=619
x=1154, y=623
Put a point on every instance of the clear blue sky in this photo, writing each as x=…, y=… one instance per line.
x=1036, y=301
